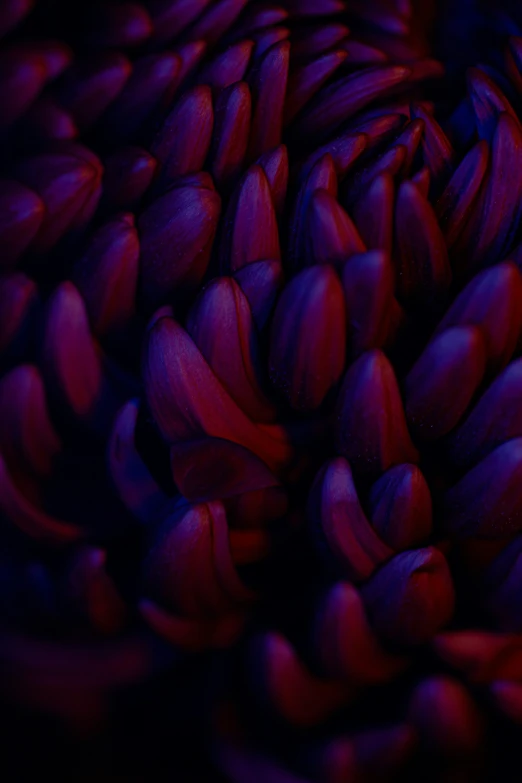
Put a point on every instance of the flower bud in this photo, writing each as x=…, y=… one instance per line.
x=307, y=348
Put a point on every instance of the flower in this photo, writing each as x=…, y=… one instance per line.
x=260, y=386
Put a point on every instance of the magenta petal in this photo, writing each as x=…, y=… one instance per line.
x=133, y=481
x=331, y=237
x=106, y=275
x=442, y=383
x=171, y=17
x=176, y=236
x=423, y=268
x=268, y=86
x=400, y=507
x=150, y=87
x=188, y=401
x=492, y=300
x=275, y=165
x=21, y=215
x=347, y=645
x=32, y=521
x=261, y=283
x=231, y=133
x=128, y=175
x=371, y=429
x=308, y=339
x=306, y=81
x=65, y=184
x=370, y=302
x=189, y=566
x=250, y=230
x=221, y=325
x=19, y=306
x=455, y=205
x=91, y=85
x=487, y=501
x=28, y=440
x=349, y=95
x=447, y=719
x=496, y=418
x=411, y=597
x=182, y=143
x=373, y=214
x=227, y=68
x=342, y=533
